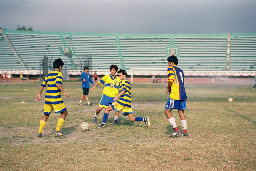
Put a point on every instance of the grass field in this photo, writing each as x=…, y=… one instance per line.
x=222, y=135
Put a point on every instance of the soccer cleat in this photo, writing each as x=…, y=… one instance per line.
x=90, y=104
x=147, y=121
x=185, y=134
x=175, y=134
x=39, y=135
x=115, y=122
x=102, y=125
x=57, y=134
x=95, y=120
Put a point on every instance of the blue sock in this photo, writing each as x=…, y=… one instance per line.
x=105, y=117
x=139, y=119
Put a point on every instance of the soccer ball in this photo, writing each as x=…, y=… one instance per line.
x=85, y=126
x=230, y=99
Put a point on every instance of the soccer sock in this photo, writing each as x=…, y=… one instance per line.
x=95, y=115
x=88, y=103
x=172, y=122
x=184, y=125
x=105, y=117
x=116, y=117
x=80, y=101
x=41, y=127
x=139, y=119
x=59, y=124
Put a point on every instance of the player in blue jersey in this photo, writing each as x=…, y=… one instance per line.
x=122, y=102
x=86, y=80
x=53, y=100
x=177, y=96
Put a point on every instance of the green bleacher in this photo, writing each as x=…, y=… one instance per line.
x=243, y=52
x=201, y=52
x=8, y=60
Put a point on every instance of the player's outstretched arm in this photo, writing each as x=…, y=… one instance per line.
x=62, y=90
x=95, y=85
x=39, y=94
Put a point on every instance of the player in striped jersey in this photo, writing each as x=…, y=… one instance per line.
x=122, y=102
x=53, y=100
x=177, y=95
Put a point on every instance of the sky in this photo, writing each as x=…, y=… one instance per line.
x=131, y=16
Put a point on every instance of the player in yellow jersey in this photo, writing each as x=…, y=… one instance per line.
x=53, y=100
x=177, y=96
x=111, y=85
x=122, y=102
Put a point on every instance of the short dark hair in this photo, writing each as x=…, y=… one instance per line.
x=86, y=67
x=123, y=72
x=113, y=66
x=57, y=63
x=173, y=59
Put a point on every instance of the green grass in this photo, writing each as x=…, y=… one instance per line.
x=221, y=134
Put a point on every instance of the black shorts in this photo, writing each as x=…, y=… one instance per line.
x=85, y=91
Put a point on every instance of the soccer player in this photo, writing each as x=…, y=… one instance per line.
x=53, y=100
x=111, y=86
x=122, y=102
x=177, y=96
x=86, y=80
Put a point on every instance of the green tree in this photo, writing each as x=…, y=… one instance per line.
x=23, y=28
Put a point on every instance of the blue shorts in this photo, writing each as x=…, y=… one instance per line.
x=105, y=101
x=175, y=104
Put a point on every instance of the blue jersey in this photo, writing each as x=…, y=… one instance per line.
x=88, y=80
x=176, y=76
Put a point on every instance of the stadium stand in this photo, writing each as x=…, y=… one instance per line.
x=243, y=52
x=23, y=50
x=8, y=60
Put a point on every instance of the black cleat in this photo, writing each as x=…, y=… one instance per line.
x=102, y=125
x=185, y=134
x=39, y=135
x=115, y=122
x=147, y=121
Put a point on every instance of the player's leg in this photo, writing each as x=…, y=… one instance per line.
x=81, y=99
x=87, y=99
x=168, y=109
x=96, y=114
x=61, y=120
x=104, y=103
x=105, y=116
x=42, y=124
x=116, y=117
x=47, y=110
x=60, y=108
x=138, y=119
x=183, y=122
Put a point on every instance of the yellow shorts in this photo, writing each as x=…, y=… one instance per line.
x=124, y=109
x=58, y=108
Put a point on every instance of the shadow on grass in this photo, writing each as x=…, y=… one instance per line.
x=169, y=129
x=69, y=130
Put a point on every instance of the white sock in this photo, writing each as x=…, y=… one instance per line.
x=88, y=103
x=184, y=124
x=80, y=101
x=95, y=115
x=116, y=117
x=172, y=122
